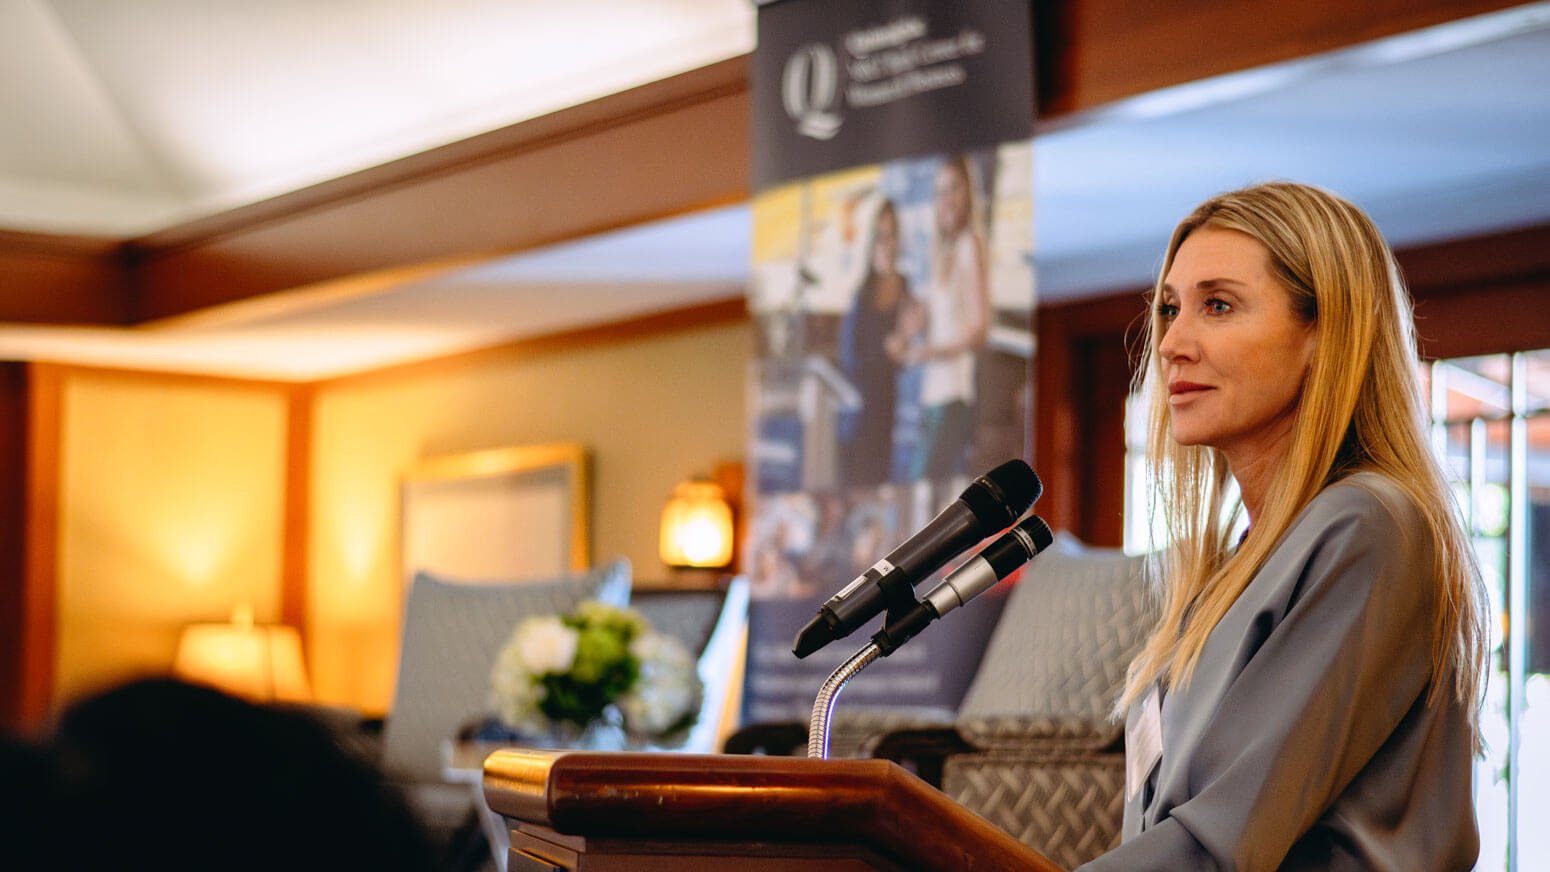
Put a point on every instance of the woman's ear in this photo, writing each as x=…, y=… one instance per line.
x=1310, y=345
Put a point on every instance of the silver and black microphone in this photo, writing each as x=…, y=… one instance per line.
x=980, y=573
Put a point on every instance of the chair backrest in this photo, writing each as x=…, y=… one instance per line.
x=712, y=625
x=452, y=632
x=1067, y=633
x=688, y=615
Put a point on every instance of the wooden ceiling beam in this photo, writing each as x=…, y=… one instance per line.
x=1094, y=52
x=48, y=279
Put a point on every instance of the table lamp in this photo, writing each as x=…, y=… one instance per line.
x=257, y=662
x=697, y=527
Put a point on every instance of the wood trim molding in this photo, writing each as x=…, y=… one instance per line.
x=13, y=541
x=40, y=582
x=1465, y=288
x=1487, y=319
x=296, y=509
x=1455, y=265
x=726, y=311
x=63, y=371
x=64, y=247
x=47, y=279
x=1078, y=434
x=1098, y=52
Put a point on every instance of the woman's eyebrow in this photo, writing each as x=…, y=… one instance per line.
x=1207, y=284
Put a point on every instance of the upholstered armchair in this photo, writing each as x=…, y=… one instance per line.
x=451, y=633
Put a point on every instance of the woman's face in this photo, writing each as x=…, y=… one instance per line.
x=885, y=242
x=1233, y=353
x=952, y=200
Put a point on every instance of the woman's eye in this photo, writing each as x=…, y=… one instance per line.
x=1218, y=307
x=1168, y=311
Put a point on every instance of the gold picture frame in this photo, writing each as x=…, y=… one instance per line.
x=501, y=514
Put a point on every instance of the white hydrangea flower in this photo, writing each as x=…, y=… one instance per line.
x=514, y=692
x=546, y=645
x=668, y=688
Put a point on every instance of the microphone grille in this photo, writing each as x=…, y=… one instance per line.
x=1038, y=531
x=1016, y=484
x=1001, y=495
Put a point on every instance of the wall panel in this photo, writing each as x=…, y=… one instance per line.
x=170, y=504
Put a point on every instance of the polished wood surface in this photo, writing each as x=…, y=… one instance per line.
x=1096, y=52
x=732, y=309
x=1479, y=295
x=33, y=696
x=56, y=279
x=1081, y=380
x=297, y=519
x=716, y=801
x=13, y=542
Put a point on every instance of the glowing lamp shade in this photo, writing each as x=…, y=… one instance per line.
x=260, y=663
x=697, y=526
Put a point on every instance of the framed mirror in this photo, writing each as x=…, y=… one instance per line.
x=502, y=514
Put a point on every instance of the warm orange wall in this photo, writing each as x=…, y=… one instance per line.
x=651, y=409
x=172, y=490
x=170, y=508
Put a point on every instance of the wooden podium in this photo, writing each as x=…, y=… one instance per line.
x=655, y=812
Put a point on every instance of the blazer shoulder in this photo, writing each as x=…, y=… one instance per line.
x=1375, y=501
x=1361, y=529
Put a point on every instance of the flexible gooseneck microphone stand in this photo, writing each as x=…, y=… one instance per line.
x=907, y=617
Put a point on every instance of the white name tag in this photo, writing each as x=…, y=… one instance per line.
x=1143, y=743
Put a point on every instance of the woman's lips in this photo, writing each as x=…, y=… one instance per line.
x=1180, y=391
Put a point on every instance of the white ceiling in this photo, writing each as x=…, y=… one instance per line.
x=125, y=117
x=122, y=118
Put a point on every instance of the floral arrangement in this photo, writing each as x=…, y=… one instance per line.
x=598, y=664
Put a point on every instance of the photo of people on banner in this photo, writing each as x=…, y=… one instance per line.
x=893, y=305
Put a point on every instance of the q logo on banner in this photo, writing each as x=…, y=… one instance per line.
x=810, y=90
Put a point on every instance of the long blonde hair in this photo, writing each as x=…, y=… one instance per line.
x=973, y=220
x=1360, y=409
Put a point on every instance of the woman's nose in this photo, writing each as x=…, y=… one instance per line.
x=1178, y=339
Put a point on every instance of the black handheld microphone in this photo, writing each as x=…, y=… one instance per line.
x=990, y=503
x=979, y=574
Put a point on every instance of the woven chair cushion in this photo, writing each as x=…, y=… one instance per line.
x=853, y=731
x=1060, y=649
x=452, y=632
x=1067, y=807
x=1020, y=732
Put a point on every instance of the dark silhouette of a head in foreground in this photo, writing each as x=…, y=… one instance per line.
x=162, y=774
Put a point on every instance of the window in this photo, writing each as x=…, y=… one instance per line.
x=1491, y=424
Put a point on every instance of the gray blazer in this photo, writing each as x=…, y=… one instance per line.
x=1304, y=739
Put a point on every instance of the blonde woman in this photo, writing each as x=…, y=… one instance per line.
x=957, y=321
x=1309, y=699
